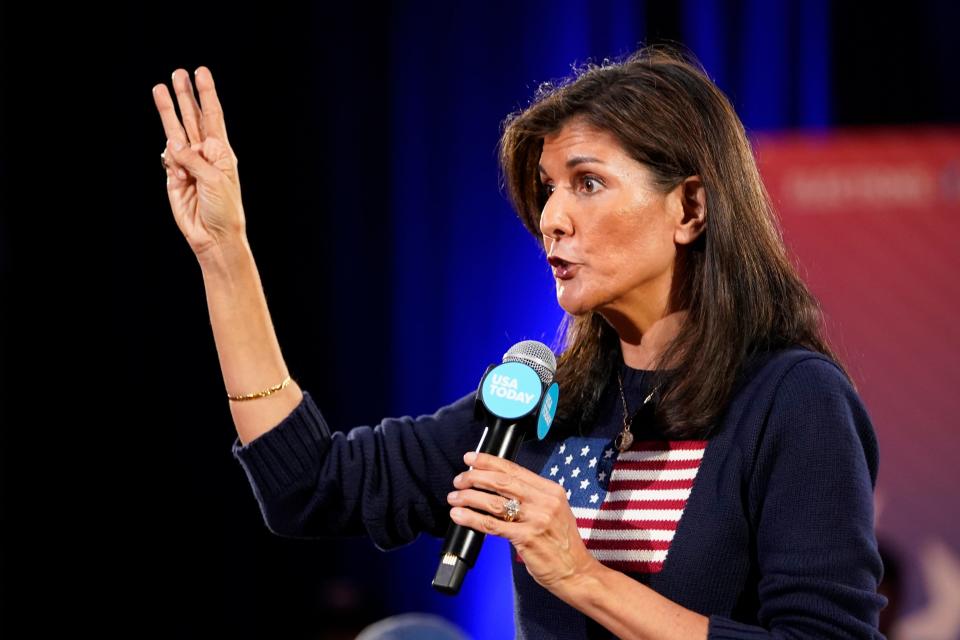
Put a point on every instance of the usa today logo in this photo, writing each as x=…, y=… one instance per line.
x=511, y=390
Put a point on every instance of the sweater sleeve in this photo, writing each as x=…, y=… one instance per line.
x=389, y=481
x=811, y=502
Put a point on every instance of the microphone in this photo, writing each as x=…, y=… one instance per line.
x=511, y=398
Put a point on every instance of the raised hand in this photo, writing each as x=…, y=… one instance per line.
x=202, y=180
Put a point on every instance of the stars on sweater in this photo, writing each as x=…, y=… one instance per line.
x=586, y=475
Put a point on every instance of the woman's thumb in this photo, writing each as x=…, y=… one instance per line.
x=191, y=160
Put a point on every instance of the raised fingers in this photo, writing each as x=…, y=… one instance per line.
x=168, y=114
x=189, y=109
x=213, y=123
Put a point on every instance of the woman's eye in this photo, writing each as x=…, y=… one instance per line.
x=591, y=184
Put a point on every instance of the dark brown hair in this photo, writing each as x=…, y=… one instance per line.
x=743, y=296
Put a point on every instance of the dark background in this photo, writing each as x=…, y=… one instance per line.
x=122, y=510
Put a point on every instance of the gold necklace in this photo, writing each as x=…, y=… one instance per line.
x=625, y=438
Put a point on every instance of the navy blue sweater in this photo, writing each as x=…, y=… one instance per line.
x=766, y=528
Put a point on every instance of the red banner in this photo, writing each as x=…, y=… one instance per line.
x=872, y=219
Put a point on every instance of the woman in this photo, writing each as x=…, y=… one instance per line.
x=711, y=470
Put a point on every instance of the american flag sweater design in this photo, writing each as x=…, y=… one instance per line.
x=627, y=504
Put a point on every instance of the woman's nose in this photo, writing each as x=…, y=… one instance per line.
x=554, y=220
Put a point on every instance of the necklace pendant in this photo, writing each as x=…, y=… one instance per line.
x=623, y=441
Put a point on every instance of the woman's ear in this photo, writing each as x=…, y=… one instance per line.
x=692, y=220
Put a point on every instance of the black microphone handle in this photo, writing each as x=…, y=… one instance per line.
x=503, y=439
x=462, y=544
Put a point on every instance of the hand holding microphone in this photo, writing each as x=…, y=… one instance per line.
x=515, y=399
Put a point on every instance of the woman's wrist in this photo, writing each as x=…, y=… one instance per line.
x=628, y=608
x=579, y=586
x=225, y=255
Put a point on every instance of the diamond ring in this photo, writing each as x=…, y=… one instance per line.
x=511, y=508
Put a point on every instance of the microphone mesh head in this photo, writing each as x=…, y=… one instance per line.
x=535, y=355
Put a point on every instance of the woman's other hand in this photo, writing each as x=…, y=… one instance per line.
x=545, y=531
x=202, y=180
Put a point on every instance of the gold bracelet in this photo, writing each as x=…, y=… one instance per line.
x=261, y=394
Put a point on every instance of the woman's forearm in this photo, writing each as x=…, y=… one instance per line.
x=247, y=345
x=629, y=609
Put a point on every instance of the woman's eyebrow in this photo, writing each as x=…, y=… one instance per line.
x=574, y=161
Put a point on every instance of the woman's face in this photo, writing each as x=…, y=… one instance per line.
x=609, y=234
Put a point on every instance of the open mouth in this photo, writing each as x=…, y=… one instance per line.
x=562, y=269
